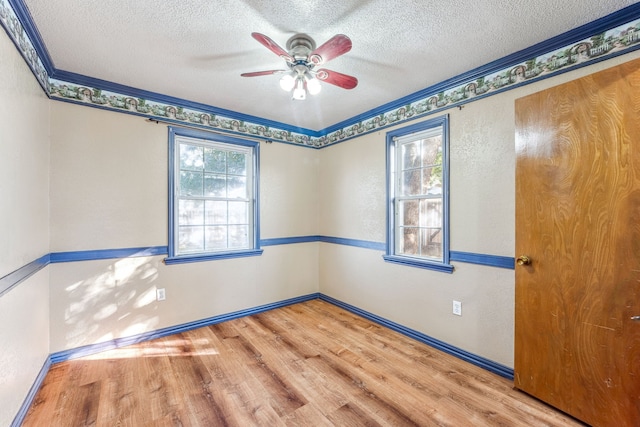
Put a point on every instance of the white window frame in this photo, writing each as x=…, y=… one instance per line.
x=395, y=138
x=178, y=136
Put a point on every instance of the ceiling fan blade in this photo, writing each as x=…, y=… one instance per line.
x=272, y=46
x=332, y=48
x=344, y=81
x=262, y=73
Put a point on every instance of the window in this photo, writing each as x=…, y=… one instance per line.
x=213, y=197
x=418, y=195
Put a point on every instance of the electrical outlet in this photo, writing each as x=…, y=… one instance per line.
x=160, y=294
x=457, y=308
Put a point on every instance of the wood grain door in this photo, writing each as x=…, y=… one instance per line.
x=577, y=345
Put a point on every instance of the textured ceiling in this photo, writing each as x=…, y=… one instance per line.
x=197, y=49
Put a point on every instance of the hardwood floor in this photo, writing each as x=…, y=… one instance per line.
x=309, y=364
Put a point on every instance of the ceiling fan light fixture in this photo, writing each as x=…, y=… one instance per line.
x=287, y=82
x=299, y=92
x=313, y=86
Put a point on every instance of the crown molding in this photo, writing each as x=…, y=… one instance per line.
x=605, y=38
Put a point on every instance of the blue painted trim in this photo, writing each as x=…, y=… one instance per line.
x=87, y=350
x=366, y=244
x=256, y=195
x=185, y=259
x=26, y=404
x=172, y=190
x=82, y=80
x=480, y=361
x=353, y=242
x=14, y=278
x=98, y=254
x=289, y=240
x=483, y=259
x=420, y=263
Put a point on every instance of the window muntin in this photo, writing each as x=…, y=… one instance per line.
x=213, y=188
x=418, y=197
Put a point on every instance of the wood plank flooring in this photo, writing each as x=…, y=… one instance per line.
x=309, y=364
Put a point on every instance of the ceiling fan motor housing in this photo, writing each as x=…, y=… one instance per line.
x=300, y=46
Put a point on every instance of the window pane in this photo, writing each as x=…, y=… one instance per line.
x=409, y=212
x=432, y=180
x=191, y=157
x=238, y=236
x=216, y=237
x=431, y=213
x=215, y=160
x=430, y=149
x=190, y=183
x=410, y=155
x=190, y=239
x=238, y=213
x=215, y=185
x=215, y=212
x=411, y=183
x=190, y=212
x=237, y=187
x=409, y=241
x=431, y=242
x=237, y=164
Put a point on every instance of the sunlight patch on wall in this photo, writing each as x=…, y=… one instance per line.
x=116, y=301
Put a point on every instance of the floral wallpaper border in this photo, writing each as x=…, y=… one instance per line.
x=598, y=46
x=175, y=113
x=617, y=40
x=16, y=32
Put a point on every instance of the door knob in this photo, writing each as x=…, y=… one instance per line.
x=523, y=260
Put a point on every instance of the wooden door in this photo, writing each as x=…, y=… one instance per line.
x=578, y=219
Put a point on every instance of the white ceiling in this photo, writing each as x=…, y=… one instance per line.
x=197, y=49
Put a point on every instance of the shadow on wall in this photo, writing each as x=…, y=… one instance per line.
x=116, y=301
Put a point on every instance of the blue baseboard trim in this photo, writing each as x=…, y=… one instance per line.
x=487, y=364
x=88, y=350
x=26, y=404
x=16, y=277
x=483, y=259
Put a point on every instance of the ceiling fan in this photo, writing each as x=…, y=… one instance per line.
x=302, y=59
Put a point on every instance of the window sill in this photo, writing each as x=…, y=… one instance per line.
x=412, y=262
x=182, y=259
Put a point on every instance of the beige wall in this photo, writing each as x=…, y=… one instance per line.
x=106, y=180
x=352, y=204
x=109, y=190
x=24, y=227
